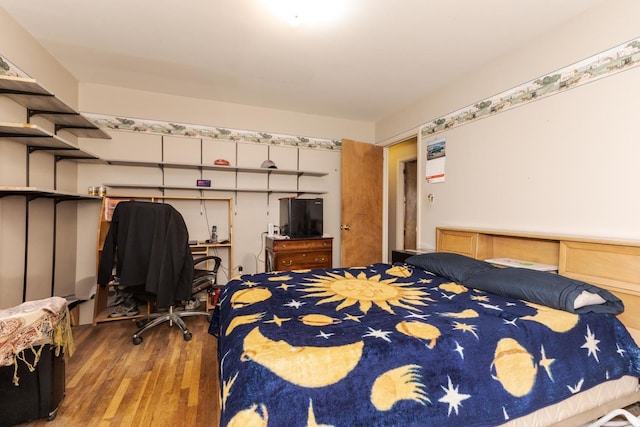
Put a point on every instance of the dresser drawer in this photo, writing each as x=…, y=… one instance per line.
x=298, y=244
x=302, y=260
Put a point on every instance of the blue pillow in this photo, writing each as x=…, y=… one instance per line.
x=544, y=288
x=454, y=267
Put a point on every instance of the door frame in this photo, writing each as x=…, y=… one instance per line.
x=385, y=190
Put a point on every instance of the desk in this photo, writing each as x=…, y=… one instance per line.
x=201, y=249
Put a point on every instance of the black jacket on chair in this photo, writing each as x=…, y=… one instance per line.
x=149, y=245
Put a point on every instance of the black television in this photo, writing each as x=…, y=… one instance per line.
x=301, y=217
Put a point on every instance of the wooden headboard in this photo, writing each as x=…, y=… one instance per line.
x=610, y=264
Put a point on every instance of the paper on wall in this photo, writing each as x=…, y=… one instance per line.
x=436, y=155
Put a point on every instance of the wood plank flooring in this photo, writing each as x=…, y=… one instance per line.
x=165, y=381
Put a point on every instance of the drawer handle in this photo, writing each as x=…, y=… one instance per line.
x=287, y=263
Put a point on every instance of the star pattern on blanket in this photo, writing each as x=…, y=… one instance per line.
x=377, y=333
x=591, y=344
x=352, y=317
x=464, y=327
x=297, y=327
x=295, y=304
x=546, y=363
x=452, y=396
x=277, y=320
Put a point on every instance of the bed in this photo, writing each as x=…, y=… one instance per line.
x=439, y=340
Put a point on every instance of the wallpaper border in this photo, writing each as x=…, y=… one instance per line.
x=612, y=61
x=609, y=62
x=120, y=123
x=8, y=68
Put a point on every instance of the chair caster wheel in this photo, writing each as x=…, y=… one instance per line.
x=140, y=323
x=137, y=340
x=187, y=336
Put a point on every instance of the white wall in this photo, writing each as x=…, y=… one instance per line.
x=125, y=102
x=563, y=164
x=27, y=229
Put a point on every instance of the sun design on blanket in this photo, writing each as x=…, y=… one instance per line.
x=366, y=291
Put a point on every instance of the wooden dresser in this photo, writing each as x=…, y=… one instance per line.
x=298, y=254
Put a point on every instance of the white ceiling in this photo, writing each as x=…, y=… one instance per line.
x=379, y=57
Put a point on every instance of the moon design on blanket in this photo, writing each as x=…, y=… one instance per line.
x=421, y=330
x=305, y=366
x=514, y=367
x=255, y=416
x=556, y=320
x=454, y=288
x=243, y=320
x=403, y=383
x=365, y=291
x=246, y=297
x=318, y=320
x=469, y=313
x=399, y=271
x=280, y=278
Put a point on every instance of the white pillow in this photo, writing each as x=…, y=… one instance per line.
x=587, y=298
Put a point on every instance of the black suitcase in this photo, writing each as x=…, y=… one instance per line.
x=38, y=394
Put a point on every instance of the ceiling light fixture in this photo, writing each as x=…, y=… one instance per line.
x=298, y=12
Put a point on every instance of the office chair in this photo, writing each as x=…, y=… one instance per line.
x=146, y=250
x=204, y=279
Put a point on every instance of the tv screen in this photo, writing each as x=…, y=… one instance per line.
x=301, y=217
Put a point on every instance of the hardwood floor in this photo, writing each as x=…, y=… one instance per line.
x=165, y=381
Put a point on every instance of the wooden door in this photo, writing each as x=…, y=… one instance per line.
x=361, y=215
x=410, y=207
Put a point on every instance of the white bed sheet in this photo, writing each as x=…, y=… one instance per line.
x=601, y=395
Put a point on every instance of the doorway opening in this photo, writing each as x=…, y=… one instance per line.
x=410, y=225
x=402, y=206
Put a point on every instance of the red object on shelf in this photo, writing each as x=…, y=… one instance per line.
x=214, y=297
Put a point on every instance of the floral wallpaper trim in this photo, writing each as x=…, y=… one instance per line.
x=201, y=131
x=620, y=58
x=8, y=68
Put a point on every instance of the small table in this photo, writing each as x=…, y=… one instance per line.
x=400, y=255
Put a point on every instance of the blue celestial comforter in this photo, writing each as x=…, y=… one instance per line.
x=394, y=345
